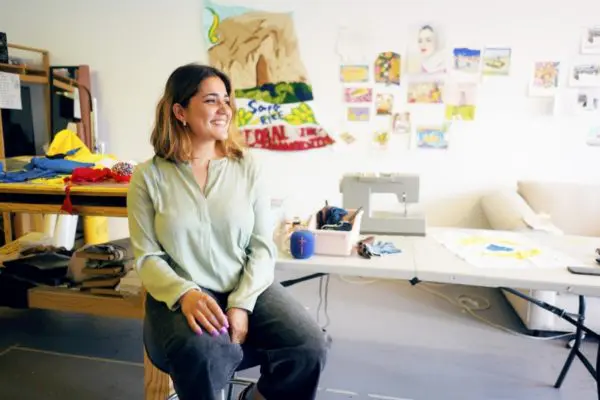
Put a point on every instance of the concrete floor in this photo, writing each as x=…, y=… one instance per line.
x=390, y=341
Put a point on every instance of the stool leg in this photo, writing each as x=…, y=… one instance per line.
x=230, y=391
x=223, y=394
x=157, y=384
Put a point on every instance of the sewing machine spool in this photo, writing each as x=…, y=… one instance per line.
x=357, y=189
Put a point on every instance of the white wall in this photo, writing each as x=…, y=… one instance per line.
x=133, y=45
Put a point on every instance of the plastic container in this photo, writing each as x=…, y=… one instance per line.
x=336, y=243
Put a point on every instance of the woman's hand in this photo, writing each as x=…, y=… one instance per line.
x=238, y=320
x=202, y=311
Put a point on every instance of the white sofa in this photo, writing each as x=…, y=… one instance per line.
x=557, y=208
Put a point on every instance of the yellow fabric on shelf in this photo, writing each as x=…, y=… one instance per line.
x=66, y=140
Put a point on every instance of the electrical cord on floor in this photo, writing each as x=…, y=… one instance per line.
x=470, y=304
x=323, y=300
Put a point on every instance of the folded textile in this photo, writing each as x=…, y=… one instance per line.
x=41, y=167
x=23, y=176
x=380, y=248
x=56, y=165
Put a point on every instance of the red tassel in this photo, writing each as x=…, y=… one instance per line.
x=67, y=205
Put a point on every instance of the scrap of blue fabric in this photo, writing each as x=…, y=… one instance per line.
x=42, y=167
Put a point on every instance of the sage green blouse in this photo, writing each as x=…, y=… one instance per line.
x=182, y=238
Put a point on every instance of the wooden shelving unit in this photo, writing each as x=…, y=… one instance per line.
x=33, y=75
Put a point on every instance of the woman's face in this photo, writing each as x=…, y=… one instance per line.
x=427, y=43
x=209, y=113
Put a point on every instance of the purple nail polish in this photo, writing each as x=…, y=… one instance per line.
x=223, y=330
x=199, y=332
x=215, y=333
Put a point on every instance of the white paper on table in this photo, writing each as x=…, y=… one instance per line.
x=10, y=91
x=500, y=249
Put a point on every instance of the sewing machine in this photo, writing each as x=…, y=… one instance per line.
x=356, y=192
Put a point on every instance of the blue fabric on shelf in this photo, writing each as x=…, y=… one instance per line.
x=23, y=176
x=42, y=167
x=56, y=165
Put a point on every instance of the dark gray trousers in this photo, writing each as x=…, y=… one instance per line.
x=282, y=338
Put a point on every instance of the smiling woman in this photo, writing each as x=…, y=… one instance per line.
x=202, y=236
x=195, y=95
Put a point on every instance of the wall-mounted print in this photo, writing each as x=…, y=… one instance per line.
x=358, y=95
x=466, y=60
x=590, y=40
x=259, y=51
x=359, y=114
x=387, y=68
x=426, y=51
x=496, y=61
x=354, y=73
x=544, y=81
x=384, y=103
x=585, y=72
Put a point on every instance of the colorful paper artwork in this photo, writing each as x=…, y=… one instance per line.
x=384, y=103
x=432, y=137
x=588, y=101
x=426, y=54
x=259, y=51
x=585, y=73
x=359, y=114
x=347, y=137
x=401, y=122
x=358, y=95
x=590, y=40
x=387, y=68
x=381, y=138
x=466, y=60
x=545, y=78
x=354, y=73
x=460, y=99
x=428, y=92
x=496, y=61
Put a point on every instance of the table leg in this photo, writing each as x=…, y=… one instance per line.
x=157, y=384
x=7, y=226
x=579, y=332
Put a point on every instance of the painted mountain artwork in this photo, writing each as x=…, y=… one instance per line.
x=259, y=51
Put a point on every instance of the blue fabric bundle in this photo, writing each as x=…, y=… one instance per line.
x=42, y=167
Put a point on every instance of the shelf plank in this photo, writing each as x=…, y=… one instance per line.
x=70, y=300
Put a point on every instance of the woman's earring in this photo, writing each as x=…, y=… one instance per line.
x=184, y=124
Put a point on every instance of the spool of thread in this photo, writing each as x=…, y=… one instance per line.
x=302, y=244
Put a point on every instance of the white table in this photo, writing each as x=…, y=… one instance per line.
x=425, y=259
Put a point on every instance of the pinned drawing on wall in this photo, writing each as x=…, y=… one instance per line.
x=381, y=138
x=259, y=51
x=426, y=52
x=359, y=114
x=590, y=40
x=466, y=60
x=401, y=123
x=432, y=137
x=496, y=61
x=425, y=91
x=354, y=73
x=545, y=78
x=387, y=68
x=358, y=95
x=384, y=103
x=347, y=137
x=585, y=72
x=460, y=99
x=588, y=102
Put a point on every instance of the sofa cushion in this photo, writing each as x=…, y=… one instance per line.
x=507, y=210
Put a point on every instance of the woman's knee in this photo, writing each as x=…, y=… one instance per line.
x=214, y=357
x=313, y=351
